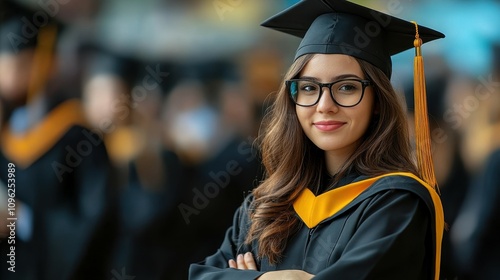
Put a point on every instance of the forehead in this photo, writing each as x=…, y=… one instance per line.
x=331, y=65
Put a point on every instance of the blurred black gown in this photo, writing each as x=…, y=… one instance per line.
x=146, y=247
x=207, y=212
x=478, y=251
x=64, y=176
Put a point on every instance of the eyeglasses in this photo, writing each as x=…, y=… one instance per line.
x=345, y=92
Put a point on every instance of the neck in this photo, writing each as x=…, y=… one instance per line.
x=335, y=160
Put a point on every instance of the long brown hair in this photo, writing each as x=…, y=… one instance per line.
x=292, y=162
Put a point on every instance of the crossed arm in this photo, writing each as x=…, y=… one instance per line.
x=247, y=262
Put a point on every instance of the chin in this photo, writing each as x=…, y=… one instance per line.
x=331, y=145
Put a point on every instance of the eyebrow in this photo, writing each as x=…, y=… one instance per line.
x=336, y=78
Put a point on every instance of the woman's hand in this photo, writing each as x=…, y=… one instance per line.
x=247, y=262
x=243, y=262
x=286, y=275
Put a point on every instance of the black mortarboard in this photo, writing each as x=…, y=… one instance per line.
x=101, y=60
x=16, y=32
x=22, y=27
x=342, y=27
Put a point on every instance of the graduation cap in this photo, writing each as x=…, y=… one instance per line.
x=15, y=35
x=343, y=27
x=101, y=60
x=19, y=30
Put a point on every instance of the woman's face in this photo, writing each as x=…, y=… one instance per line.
x=335, y=129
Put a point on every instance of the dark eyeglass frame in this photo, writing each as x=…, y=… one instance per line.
x=364, y=83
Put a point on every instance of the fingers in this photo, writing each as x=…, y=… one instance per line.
x=249, y=261
x=232, y=264
x=243, y=262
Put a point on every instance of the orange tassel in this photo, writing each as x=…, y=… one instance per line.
x=423, y=139
x=42, y=61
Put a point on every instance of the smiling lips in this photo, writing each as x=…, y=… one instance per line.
x=328, y=125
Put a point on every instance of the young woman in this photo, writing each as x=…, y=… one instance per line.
x=342, y=198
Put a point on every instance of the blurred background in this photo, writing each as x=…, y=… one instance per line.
x=132, y=127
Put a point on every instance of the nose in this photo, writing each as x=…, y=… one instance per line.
x=326, y=103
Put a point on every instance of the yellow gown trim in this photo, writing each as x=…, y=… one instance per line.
x=315, y=209
x=25, y=148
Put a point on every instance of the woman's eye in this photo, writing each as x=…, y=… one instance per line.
x=309, y=87
x=347, y=88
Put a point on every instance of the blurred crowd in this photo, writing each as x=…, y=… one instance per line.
x=132, y=128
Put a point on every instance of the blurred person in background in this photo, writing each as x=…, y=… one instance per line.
x=108, y=78
x=477, y=228
x=262, y=66
x=4, y=214
x=123, y=98
x=4, y=230
x=467, y=113
x=63, y=182
x=209, y=131
x=191, y=122
x=147, y=244
x=237, y=114
x=451, y=174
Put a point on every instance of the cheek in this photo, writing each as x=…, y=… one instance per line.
x=364, y=113
x=365, y=121
x=303, y=115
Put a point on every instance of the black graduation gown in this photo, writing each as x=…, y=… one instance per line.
x=212, y=193
x=63, y=174
x=453, y=191
x=478, y=249
x=146, y=244
x=389, y=231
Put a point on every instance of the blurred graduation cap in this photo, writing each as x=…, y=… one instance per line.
x=343, y=27
x=104, y=61
x=14, y=33
x=21, y=28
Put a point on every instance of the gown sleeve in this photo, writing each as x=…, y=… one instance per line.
x=216, y=266
x=79, y=225
x=389, y=242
